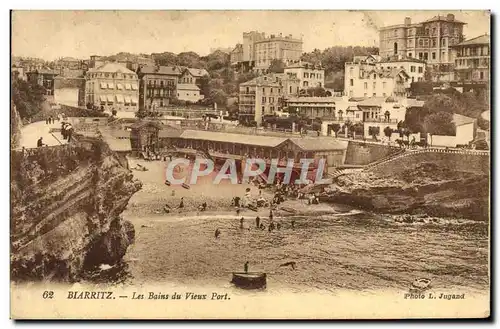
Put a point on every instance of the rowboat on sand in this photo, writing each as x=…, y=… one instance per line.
x=249, y=280
x=420, y=284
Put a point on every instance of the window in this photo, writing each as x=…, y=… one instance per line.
x=374, y=94
x=351, y=71
x=263, y=109
x=366, y=85
x=426, y=56
x=420, y=69
x=481, y=75
x=248, y=89
x=384, y=94
x=365, y=95
x=384, y=84
x=374, y=85
x=412, y=68
x=434, y=42
x=271, y=90
x=433, y=55
x=374, y=76
x=443, y=42
x=433, y=31
x=351, y=82
x=420, y=55
x=263, y=99
x=290, y=89
x=272, y=108
x=420, y=42
x=410, y=55
x=271, y=100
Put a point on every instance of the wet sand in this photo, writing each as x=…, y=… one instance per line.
x=335, y=247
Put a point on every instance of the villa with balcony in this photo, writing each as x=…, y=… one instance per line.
x=472, y=61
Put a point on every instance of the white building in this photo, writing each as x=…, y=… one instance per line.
x=310, y=76
x=188, y=92
x=415, y=68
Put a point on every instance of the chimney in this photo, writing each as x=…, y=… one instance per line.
x=407, y=20
x=450, y=17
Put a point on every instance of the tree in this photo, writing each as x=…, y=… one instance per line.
x=388, y=132
x=28, y=98
x=15, y=127
x=374, y=132
x=277, y=66
x=316, y=92
x=440, y=123
x=335, y=128
x=141, y=114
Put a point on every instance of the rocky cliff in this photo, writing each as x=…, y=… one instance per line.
x=66, y=203
x=422, y=188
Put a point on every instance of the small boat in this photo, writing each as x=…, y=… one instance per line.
x=420, y=284
x=249, y=280
x=186, y=186
x=168, y=183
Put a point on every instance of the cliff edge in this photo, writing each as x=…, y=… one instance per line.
x=66, y=203
x=421, y=188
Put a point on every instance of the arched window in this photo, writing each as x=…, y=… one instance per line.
x=395, y=48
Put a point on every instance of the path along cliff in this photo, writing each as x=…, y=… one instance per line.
x=434, y=183
x=66, y=203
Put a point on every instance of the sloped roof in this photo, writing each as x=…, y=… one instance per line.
x=319, y=144
x=372, y=102
x=118, y=140
x=268, y=80
x=187, y=86
x=142, y=123
x=257, y=140
x=443, y=18
x=480, y=40
x=112, y=68
x=197, y=72
x=166, y=70
x=312, y=99
x=460, y=120
x=169, y=132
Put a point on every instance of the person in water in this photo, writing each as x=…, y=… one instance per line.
x=217, y=233
x=257, y=222
x=245, y=267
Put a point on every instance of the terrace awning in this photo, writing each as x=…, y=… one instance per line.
x=127, y=86
x=103, y=85
x=120, y=99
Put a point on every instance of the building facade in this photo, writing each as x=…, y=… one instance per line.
x=188, y=93
x=157, y=85
x=472, y=60
x=415, y=68
x=112, y=87
x=430, y=41
x=312, y=107
x=264, y=95
x=310, y=76
x=371, y=80
x=192, y=76
x=258, y=51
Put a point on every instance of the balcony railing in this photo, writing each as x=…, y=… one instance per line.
x=382, y=120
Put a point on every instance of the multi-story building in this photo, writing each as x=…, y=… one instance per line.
x=45, y=78
x=192, y=76
x=69, y=63
x=264, y=95
x=258, y=51
x=415, y=68
x=430, y=41
x=472, y=60
x=310, y=75
x=157, y=85
x=112, y=87
x=368, y=79
x=312, y=107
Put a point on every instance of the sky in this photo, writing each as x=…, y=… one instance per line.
x=53, y=34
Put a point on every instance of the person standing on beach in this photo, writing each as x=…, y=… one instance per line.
x=257, y=222
x=293, y=224
x=245, y=267
x=270, y=214
x=217, y=233
x=242, y=220
x=181, y=204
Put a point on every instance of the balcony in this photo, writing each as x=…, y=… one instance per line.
x=247, y=93
x=381, y=120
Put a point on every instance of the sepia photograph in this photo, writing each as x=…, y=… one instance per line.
x=258, y=164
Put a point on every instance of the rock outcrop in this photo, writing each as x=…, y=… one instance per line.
x=424, y=188
x=66, y=203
